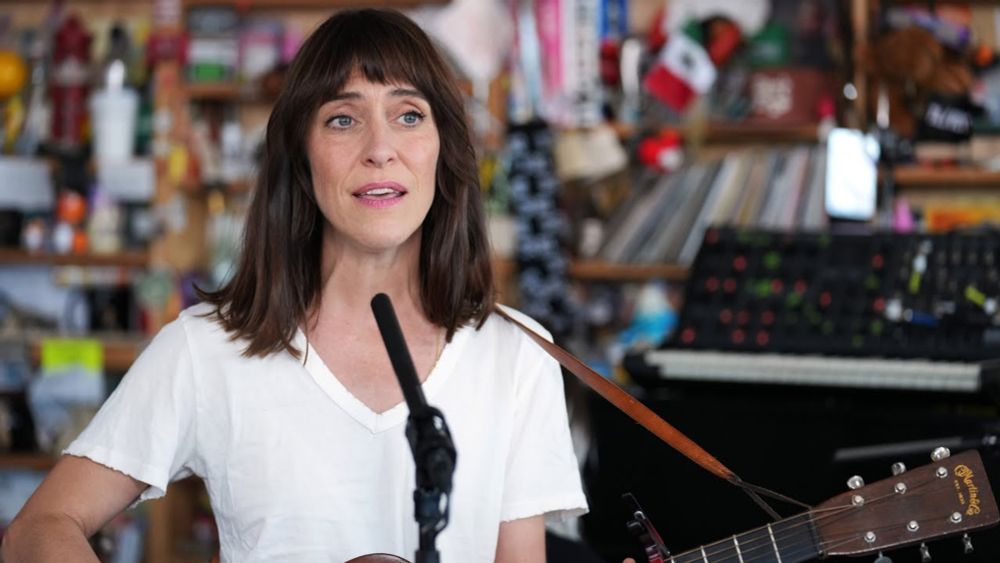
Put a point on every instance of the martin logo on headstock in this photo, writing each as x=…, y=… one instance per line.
x=948, y=497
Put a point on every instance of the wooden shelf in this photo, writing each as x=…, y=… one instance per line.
x=120, y=349
x=918, y=176
x=129, y=259
x=223, y=91
x=761, y=133
x=604, y=271
x=722, y=133
x=592, y=270
x=37, y=461
x=316, y=4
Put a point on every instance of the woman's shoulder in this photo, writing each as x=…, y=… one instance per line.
x=499, y=330
x=196, y=327
x=504, y=324
x=202, y=318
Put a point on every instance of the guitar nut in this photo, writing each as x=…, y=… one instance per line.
x=956, y=517
x=870, y=537
x=913, y=526
x=858, y=500
x=900, y=487
x=941, y=472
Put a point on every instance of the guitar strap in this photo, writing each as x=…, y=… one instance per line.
x=651, y=421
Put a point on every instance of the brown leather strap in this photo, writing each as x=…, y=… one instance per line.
x=650, y=421
x=629, y=405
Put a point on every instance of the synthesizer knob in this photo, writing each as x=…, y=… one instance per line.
x=898, y=468
x=940, y=453
x=925, y=554
x=967, y=544
x=855, y=482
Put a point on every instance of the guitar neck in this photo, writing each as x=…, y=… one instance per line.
x=791, y=540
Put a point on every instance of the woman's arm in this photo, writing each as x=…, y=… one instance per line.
x=522, y=541
x=75, y=500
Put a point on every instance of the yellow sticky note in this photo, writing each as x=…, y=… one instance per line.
x=61, y=353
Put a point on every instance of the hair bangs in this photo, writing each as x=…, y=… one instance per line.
x=366, y=45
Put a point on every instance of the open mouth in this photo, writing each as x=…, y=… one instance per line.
x=380, y=192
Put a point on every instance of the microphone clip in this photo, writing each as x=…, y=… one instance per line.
x=434, y=456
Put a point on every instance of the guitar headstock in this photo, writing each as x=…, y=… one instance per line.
x=950, y=496
x=643, y=530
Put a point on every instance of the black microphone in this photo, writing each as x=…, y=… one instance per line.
x=399, y=354
x=426, y=431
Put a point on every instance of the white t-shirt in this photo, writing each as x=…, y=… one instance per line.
x=298, y=469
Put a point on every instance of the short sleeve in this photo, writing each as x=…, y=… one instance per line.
x=146, y=428
x=543, y=476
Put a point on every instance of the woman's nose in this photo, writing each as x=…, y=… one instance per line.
x=380, y=149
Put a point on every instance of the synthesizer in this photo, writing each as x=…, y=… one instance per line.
x=881, y=310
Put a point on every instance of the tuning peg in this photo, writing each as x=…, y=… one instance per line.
x=940, y=453
x=855, y=482
x=925, y=553
x=967, y=544
x=882, y=559
x=898, y=468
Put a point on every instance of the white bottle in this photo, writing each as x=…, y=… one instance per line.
x=113, y=113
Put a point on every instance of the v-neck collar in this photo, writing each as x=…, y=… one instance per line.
x=373, y=421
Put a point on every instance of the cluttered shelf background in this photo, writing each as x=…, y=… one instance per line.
x=113, y=210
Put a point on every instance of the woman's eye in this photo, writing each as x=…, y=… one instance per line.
x=340, y=121
x=412, y=117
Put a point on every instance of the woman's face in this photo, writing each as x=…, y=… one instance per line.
x=373, y=153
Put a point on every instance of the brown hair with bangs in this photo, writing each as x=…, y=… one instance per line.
x=277, y=277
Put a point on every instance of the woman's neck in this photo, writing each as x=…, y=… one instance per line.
x=351, y=277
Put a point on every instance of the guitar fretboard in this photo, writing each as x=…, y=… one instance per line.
x=791, y=540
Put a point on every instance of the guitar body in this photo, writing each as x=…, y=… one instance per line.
x=378, y=558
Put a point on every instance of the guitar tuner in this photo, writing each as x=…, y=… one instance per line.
x=925, y=553
x=967, y=544
x=940, y=453
x=882, y=559
x=898, y=468
x=643, y=530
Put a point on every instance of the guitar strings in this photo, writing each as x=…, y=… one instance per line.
x=784, y=530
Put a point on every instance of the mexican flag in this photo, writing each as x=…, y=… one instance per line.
x=682, y=71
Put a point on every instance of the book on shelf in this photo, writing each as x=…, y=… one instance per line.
x=771, y=188
x=728, y=171
x=638, y=220
x=682, y=225
x=812, y=211
x=654, y=247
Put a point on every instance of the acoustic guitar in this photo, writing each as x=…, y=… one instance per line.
x=945, y=498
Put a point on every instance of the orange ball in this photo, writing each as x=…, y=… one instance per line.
x=13, y=73
x=71, y=207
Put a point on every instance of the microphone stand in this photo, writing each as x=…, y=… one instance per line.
x=427, y=433
x=434, y=455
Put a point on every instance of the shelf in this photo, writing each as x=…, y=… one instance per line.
x=605, y=271
x=917, y=176
x=128, y=259
x=120, y=349
x=316, y=4
x=224, y=91
x=29, y=460
x=761, y=133
x=722, y=133
x=592, y=270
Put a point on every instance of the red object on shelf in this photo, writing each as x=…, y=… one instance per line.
x=70, y=77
